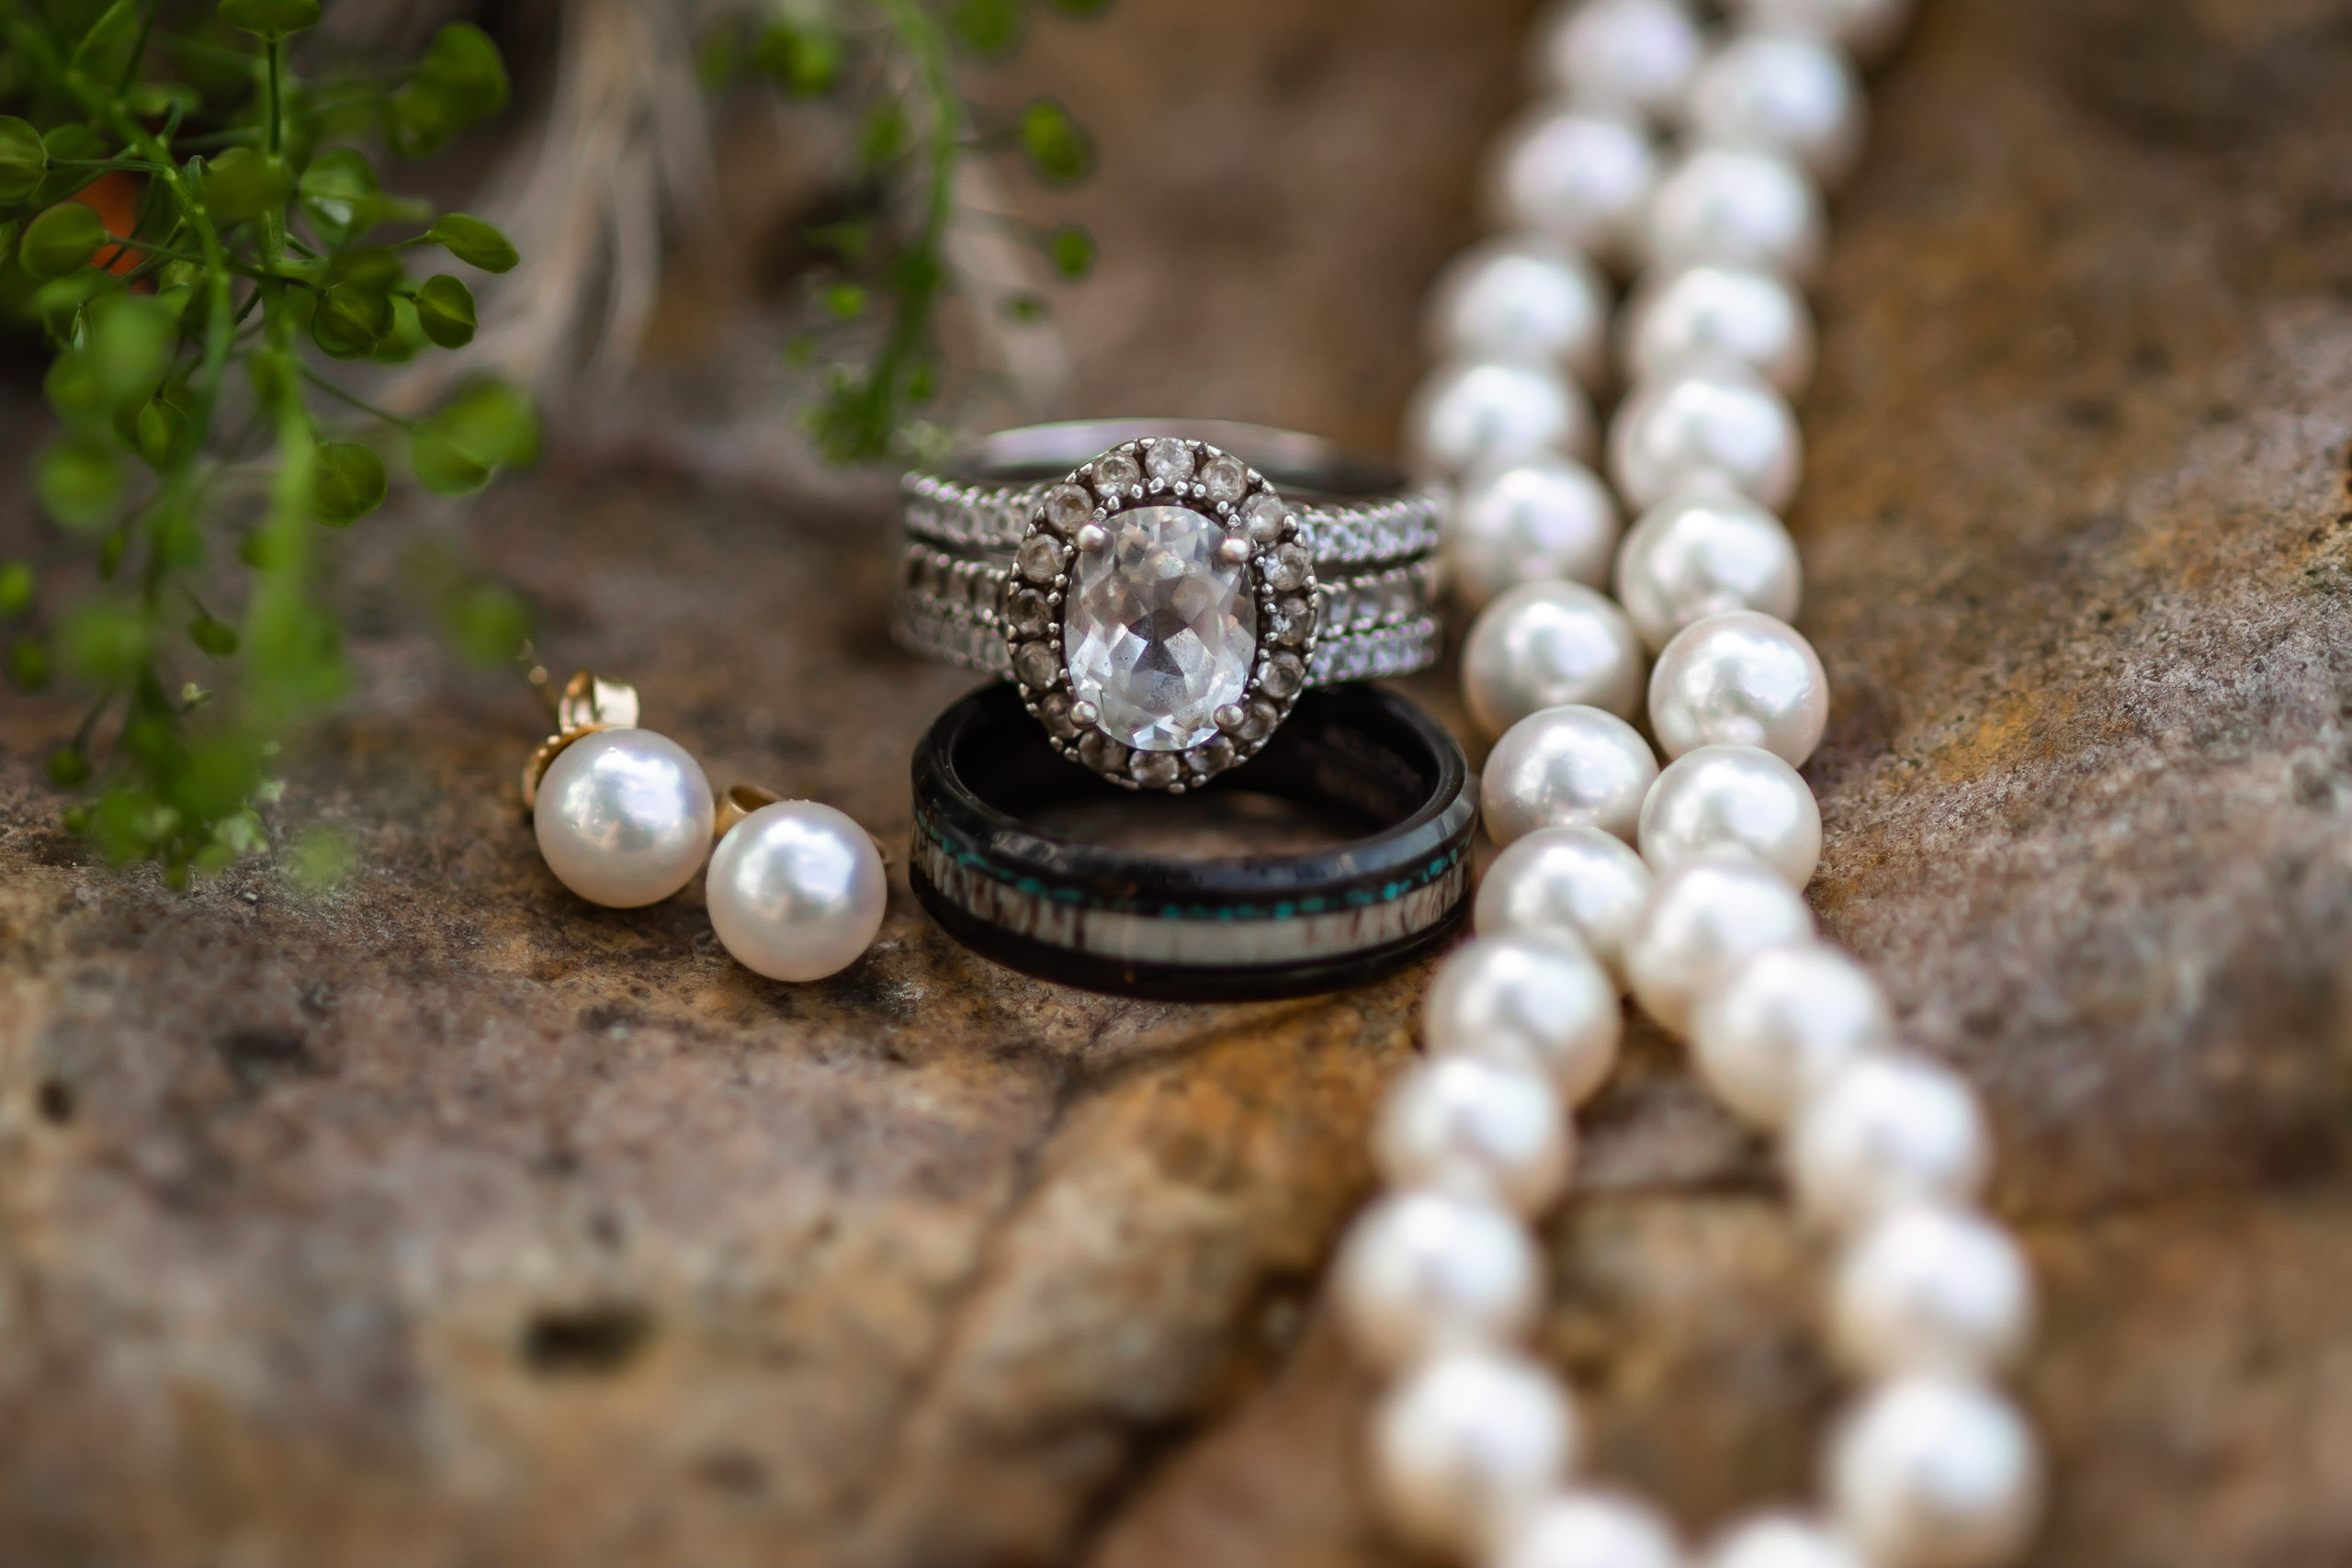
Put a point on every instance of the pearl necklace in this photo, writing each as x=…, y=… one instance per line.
x=1472, y=1443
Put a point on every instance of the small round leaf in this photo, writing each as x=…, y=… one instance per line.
x=78, y=480
x=350, y=320
x=1072, y=250
x=29, y=663
x=441, y=468
x=22, y=162
x=474, y=242
x=445, y=312
x=161, y=433
x=61, y=239
x=346, y=484
x=1060, y=151
x=212, y=637
x=15, y=589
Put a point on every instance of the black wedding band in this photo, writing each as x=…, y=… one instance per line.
x=1213, y=930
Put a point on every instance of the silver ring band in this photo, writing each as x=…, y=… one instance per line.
x=1161, y=590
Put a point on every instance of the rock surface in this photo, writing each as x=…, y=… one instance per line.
x=443, y=1218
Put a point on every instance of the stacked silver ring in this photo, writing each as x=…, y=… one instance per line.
x=1342, y=554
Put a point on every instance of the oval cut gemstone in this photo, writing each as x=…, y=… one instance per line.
x=1159, y=632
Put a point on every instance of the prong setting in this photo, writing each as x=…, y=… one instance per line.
x=1263, y=537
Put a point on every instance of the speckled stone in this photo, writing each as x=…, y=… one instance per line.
x=446, y=1219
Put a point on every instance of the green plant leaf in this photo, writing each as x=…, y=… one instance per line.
x=472, y=242
x=15, y=589
x=1071, y=249
x=132, y=337
x=105, y=641
x=406, y=338
x=340, y=193
x=445, y=312
x=492, y=423
x=802, y=57
x=59, y=240
x=77, y=391
x=240, y=185
x=72, y=141
x=69, y=765
x=465, y=69
x=441, y=468
x=989, y=28
x=28, y=664
x=22, y=162
x=1060, y=152
x=347, y=482
x=104, y=49
x=78, y=480
x=212, y=637
x=350, y=320
x=162, y=435
x=269, y=18
x=460, y=81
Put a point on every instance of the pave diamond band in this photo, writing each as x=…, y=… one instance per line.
x=1160, y=591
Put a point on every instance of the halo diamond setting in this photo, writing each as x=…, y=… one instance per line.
x=1162, y=613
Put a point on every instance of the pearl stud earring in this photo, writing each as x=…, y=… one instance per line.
x=796, y=889
x=623, y=815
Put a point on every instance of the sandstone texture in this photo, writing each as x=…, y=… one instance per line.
x=441, y=1218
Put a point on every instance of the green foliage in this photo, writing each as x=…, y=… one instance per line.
x=1060, y=151
x=186, y=382
x=1071, y=249
x=445, y=312
x=461, y=81
x=60, y=241
x=22, y=162
x=886, y=275
x=347, y=482
x=804, y=58
x=474, y=242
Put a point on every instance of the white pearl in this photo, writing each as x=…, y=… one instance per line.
x=624, y=818
x=1469, y=412
x=1529, y=520
x=1720, y=312
x=1591, y=1529
x=1783, y=1541
x=1711, y=423
x=1566, y=767
x=1935, y=1472
x=1785, y=93
x=1584, y=178
x=1466, y=1447
x=1545, y=645
x=1930, y=1289
x=1739, y=678
x=1867, y=28
x=1703, y=553
x=1704, y=917
x=1523, y=296
x=1538, y=1003
x=1639, y=55
x=1472, y=1130
x=1786, y=1022
x=1734, y=798
x=1887, y=1130
x=797, y=891
x=1423, y=1271
x=1735, y=207
x=1578, y=881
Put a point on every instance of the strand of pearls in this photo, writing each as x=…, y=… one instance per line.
x=1474, y=1444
